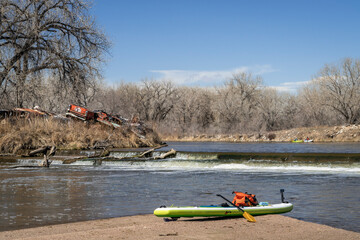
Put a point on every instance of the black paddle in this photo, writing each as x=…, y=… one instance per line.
x=245, y=214
x=282, y=196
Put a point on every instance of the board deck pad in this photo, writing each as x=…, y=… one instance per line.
x=217, y=211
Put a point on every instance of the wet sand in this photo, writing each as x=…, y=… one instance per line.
x=151, y=227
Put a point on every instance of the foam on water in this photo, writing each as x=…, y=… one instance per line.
x=290, y=168
x=246, y=166
x=196, y=156
x=82, y=163
x=123, y=154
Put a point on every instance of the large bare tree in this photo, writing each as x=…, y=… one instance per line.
x=339, y=85
x=237, y=101
x=156, y=99
x=193, y=113
x=57, y=38
x=313, y=111
x=118, y=99
x=271, y=104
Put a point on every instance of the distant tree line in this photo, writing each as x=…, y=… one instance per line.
x=242, y=104
x=51, y=54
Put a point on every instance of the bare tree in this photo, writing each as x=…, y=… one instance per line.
x=118, y=99
x=205, y=116
x=292, y=114
x=156, y=99
x=237, y=101
x=193, y=113
x=340, y=89
x=313, y=111
x=271, y=104
x=55, y=37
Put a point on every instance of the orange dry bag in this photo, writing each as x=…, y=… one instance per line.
x=244, y=199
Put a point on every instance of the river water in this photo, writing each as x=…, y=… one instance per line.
x=326, y=192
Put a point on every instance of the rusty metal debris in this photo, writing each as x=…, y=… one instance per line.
x=115, y=121
x=80, y=113
x=74, y=112
x=24, y=112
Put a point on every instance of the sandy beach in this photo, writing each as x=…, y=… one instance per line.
x=151, y=227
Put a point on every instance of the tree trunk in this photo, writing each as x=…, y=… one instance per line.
x=170, y=153
x=148, y=152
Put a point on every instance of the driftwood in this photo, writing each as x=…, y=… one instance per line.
x=103, y=154
x=45, y=162
x=50, y=151
x=47, y=151
x=147, y=153
x=42, y=150
x=170, y=153
x=74, y=159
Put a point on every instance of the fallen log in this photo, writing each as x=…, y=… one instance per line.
x=148, y=152
x=69, y=161
x=47, y=151
x=104, y=154
x=97, y=159
x=170, y=153
x=47, y=154
x=72, y=160
x=41, y=150
x=52, y=151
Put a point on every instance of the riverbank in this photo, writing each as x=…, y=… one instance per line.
x=349, y=133
x=18, y=136
x=151, y=227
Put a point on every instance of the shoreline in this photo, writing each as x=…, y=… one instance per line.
x=152, y=227
x=232, y=139
x=319, y=134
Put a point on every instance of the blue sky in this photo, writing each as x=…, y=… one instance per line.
x=202, y=42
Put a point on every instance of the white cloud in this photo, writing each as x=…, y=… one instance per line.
x=215, y=78
x=208, y=78
x=261, y=69
x=289, y=86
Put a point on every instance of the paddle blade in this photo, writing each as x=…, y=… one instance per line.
x=249, y=217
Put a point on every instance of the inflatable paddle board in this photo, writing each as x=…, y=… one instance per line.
x=218, y=211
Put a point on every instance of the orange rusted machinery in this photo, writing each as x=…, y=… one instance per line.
x=81, y=113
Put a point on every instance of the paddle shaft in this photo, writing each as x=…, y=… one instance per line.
x=230, y=202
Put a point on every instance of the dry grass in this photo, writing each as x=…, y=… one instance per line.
x=17, y=135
